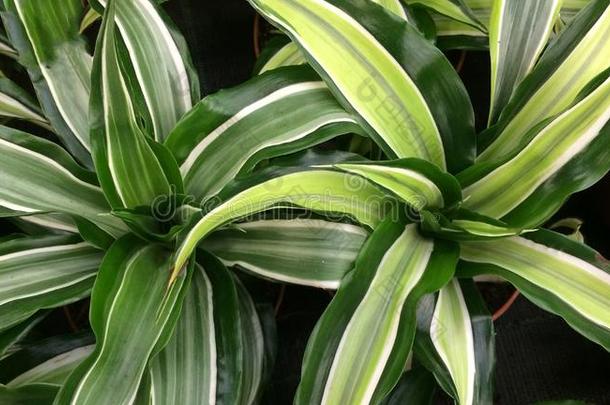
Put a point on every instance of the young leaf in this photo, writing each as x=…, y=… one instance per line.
x=457, y=10
x=17, y=103
x=379, y=76
x=558, y=274
x=46, y=36
x=310, y=252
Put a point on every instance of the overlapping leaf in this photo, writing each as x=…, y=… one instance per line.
x=311, y=252
x=395, y=90
x=46, y=35
x=359, y=348
x=558, y=274
x=278, y=113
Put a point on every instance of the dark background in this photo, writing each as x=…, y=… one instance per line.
x=539, y=357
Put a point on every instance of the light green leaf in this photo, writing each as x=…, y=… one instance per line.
x=518, y=33
x=317, y=190
x=558, y=274
x=43, y=272
x=377, y=76
x=569, y=64
x=130, y=172
x=38, y=176
x=281, y=112
x=457, y=10
x=132, y=315
x=46, y=36
x=287, y=55
x=311, y=252
x=563, y=157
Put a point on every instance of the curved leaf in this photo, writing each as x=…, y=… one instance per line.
x=311, y=252
x=411, y=102
x=359, y=347
x=17, y=103
x=46, y=36
x=132, y=315
x=317, y=190
x=558, y=274
x=43, y=272
x=277, y=113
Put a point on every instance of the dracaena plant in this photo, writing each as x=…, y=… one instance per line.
x=153, y=201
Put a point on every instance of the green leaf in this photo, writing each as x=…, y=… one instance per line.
x=317, y=190
x=518, y=33
x=184, y=372
x=406, y=93
x=415, y=181
x=39, y=394
x=6, y=48
x=10, y=337
x=43, y=272
x=416, y=386
x=38, y=176
x=132, y=315
x=560, y=275
x=565, y=156
x=161, y=62
x=394, y=6
x=17, y=103
x=359, y=347
x=455, y=341
x=310, y=252
x=130, y=172
x=280, y=112
x=45, y=33
x=568, y=65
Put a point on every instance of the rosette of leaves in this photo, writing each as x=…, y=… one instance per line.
x=146, y=198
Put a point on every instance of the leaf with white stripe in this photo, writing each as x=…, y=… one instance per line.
x=132, y=315
x=281, y=112
x=43, y=272
x=17, y=103
x=556, y=273
x=6, y=48
x=279, y=52
x=184, y=372
x=10, y=338
x=455, y=341
x=46, y=36
x=324, y=191
x=518, y=33
x=46, y=361
x=384, y=78
x=415, y=181
x=161, y=62
x=360, y=346
x=37, y=176
x=568, y=65
x=565, y=156
x=310, y=252
x=129, y=170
